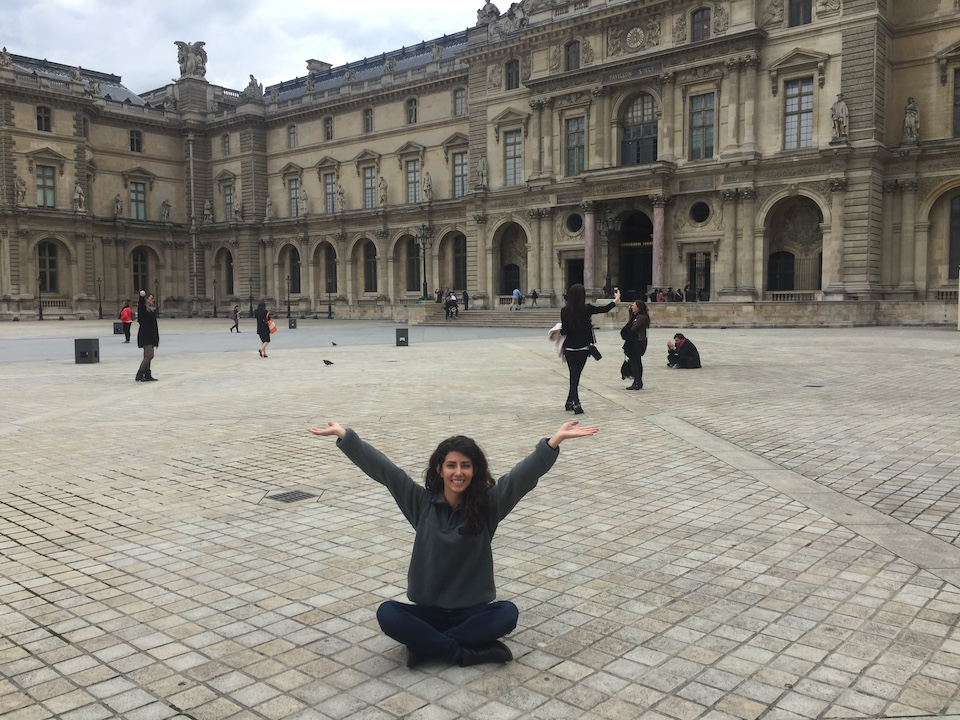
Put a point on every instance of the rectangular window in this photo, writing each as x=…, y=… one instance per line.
x=328, y=128
x=512, y=75
x=292, y=136
x=572, y=56
x=136, y=141
x=461, y=174
x=700, y=25
x=47, y=266
x=798, y=113
x=413, y=265
x=800, y=12
x=413, y=181
x=369, y=188
x=228, y=202
x=512, y=158
x=701, y=127
x=956, y=103
x=44, y=122
x=293, y=190
x=330, y=269
x=138, y=201
x=46, y=187
x=368, y=120
x=226, y=145
x=369, y=268
x=412, y=111
x=576, y=145
x=459, y=102
x=330, y=192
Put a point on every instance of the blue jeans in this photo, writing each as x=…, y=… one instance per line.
x=441, y=633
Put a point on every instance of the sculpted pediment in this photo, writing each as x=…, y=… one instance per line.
x=291, y=171
x=457, y=140
x=798, y=60
x=510, y=117
x=46, y=156
x=225, y=177
x=327, y=164
x=365, y=157
x=945, y=58
x=410, y=148
x=138, y=173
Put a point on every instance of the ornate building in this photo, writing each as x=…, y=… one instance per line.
x=751, y=150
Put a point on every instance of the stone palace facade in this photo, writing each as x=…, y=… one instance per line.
x=750, y=150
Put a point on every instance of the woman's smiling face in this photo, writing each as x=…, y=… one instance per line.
x=456, y=470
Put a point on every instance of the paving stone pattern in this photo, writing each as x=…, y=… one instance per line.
x=774, y=536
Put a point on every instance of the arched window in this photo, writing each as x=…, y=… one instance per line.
x=293, y=269
x=639, y=143
x=511, y=74
x=510, y=279
x=953, y=269
x=141, y=277
x=780, y=272
x=47, y=267
x=330, y=269
x=571, y=56
x=413, y=265
x=700, y=25
x=369, y=267
x=460, y=262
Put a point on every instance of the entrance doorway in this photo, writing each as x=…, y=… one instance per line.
x=698, y=276
x=636, y=257
x=574, y=273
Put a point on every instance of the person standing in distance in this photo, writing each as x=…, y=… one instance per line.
x=148, y=337
x=126, y=317
x=263, y=329
x=577, y=328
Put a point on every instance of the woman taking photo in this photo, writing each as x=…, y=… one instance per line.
x=148, y=337
x=577, y=328
x=634, y=335
x=263, y=328
x=455, y=616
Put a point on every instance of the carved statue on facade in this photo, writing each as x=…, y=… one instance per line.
x=253, y=90
x=93, y=88
x=427, y=187
x=117, y=205
x=302, y=205
x=5, y=59
x=165, y=211
x=274, y=96
x=436, y=53
x=238, y=210
x=268, y=212
x=911, y=121
x=76, y=74
x=482, y=170
x=311, y=83
x=20, y=189
x=840, y=115
x=390, y=65
x=192, y=58
x=341, y=198
x=79, y=200
x=382, y=186
x=487, y=14
x=207, y=212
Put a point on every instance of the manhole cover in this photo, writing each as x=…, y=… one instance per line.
x=291, y=497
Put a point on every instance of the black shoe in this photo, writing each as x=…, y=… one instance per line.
x=492, y=652
x=635, y=387
x=568, y=406
x=577, y=410
x=148, y=376
x=414, y=658
x=139, y=375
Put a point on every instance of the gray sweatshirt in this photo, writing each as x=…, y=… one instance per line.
x=449, y=568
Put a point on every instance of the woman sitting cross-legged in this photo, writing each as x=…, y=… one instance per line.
x=455, y=615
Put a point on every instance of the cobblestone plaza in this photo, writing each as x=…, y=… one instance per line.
x=774, y=536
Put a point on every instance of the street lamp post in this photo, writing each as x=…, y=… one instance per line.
x=214, y=297
x=288, y=297
x=608, y=225
x=423, y=240
x=250, y=288
x=99, y=299
x=39, y=299
x=329, y=305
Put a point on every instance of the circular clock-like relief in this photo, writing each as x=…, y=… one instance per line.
x=634, y=38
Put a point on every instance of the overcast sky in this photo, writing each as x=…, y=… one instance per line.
x=272, y=39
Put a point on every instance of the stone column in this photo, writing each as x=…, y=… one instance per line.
x=391, y=280
x=547, y=273
x=483, y=261
x=727, y=267
x=908, y=239
x=889, y=258
x=659, y=235
x=747, y=279
x=590, y=245
x=667, y=89
x=922, y=234
x=546, y=123
x=533, y=251
x=597, y=159
x=732, y=103
x=832, y=280
x=749, y=93
x=537, y=105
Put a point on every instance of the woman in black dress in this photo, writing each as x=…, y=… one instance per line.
x=148, y=337
x=634, y=335
x=577, y=329
x=263, y=329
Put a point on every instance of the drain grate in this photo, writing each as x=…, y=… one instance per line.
x=291, y=497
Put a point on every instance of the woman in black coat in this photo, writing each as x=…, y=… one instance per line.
x=634, y=335
x=577, y=329
x=263, y=329
x=148, y=336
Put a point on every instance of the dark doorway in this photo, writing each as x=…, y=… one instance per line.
x=574, y=273
x=636, y=257
x=780, y=272
x=698, y=276
x=509, y=279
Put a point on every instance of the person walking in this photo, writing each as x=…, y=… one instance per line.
x=126, y=317
x=263, y=327
x=577, y=329
x=533, y=298
x=455, y=616
x=235, y=316
x=148, y=336
x=634, y=335
x=517, y=299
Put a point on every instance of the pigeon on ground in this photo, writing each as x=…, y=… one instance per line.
x=333, y=343
x=327, y=362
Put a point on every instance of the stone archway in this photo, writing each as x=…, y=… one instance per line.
x=793, y=259
x=636, y=256
x=510, y=244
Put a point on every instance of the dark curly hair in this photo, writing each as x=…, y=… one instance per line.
x=476, y=498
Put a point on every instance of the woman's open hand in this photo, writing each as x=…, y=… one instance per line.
x=571, y=429
x=332, y=428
